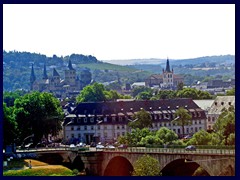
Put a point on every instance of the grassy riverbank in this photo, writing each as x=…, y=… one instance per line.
x=38, y=168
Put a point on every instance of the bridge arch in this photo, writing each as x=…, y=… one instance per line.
x=78, y=164
x=182, y=167
x=118, y=166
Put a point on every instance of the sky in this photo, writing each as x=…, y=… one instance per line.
x=120, y=31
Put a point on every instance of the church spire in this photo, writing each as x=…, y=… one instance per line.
x=32, y=78
x=70, y=65
x=45, y=76
x=168, y=66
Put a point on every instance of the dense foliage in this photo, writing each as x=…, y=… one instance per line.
x=146, y=166
x=96, y=92
x=34, y=113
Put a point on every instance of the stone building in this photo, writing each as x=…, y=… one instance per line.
x=166, y=80
x=216, y=108
x=61, y=88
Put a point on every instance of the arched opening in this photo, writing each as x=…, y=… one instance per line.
x=183, y=167
x=118, y=166
x=78, y=164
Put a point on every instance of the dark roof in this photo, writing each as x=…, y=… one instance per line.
x=70, y=65
x=134, y=106
x=55, y=73
x=128, y=108
x=167, y=66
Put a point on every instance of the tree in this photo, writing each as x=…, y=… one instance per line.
x=144, y=95
x=140, y=89
x=92, y=93
x=39, y=114
x=231, y=92
x=180, y=86
x=225, y=124
x=146, y=166
x=142, y=119
x=201, y=137
x=9, y=126
x=182, y=118
x=166, y=135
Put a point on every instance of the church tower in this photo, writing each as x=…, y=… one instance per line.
x=70, y=74
x=32, y=78
x=45, y=76
x=167, y=77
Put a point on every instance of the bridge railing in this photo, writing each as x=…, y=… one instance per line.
x=175, y=150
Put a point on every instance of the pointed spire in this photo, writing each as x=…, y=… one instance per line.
x=45, y=76
x=55, y=73
x=70, y=65
x=167, y=66
x=32, y=77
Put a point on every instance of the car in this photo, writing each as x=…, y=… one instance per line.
x=81, y=144
x=110, y=147
x=99, y=146
x=122, y=146
x=29, y=146
x=72, y=146
x=190, y=148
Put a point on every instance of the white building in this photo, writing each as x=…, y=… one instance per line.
x=106, y=121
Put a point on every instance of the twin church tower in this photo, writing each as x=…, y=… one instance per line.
x=61, y=88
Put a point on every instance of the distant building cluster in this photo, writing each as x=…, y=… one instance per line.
x=61, y=88
x=216, y=86
x=166, y=80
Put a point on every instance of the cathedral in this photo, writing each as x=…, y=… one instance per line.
x=61, y=88
x=166, y=80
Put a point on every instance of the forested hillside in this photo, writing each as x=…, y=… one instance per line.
x=17, y=69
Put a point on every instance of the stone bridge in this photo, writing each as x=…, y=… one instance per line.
x=120, y=162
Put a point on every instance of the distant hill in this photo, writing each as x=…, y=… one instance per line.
x=193, y=61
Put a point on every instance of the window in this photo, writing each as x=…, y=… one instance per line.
x=117, y=127
x=98, y=127
x=78, y=128
x=105, y=127
x=229, y=103
x=199, y=114
x=123, y=127
x=92, y=119
x=196, y=130
x=72, y=128
x=120, y=119
x=213, y=119
x=113, y=119
x=79, y=136
x=72, y=135
x=85, y=120
x=91, y=127
x=209, y=119
x=200, y=122
x=85, y=127
x=123, y=133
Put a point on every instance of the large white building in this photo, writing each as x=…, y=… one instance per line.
x=106, y=121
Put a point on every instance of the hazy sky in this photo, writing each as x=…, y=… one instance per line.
x=123, y=31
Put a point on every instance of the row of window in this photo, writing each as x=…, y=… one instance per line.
x=126, y=118
x=105, y=127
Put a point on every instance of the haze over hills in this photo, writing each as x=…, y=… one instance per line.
x=193, y=61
